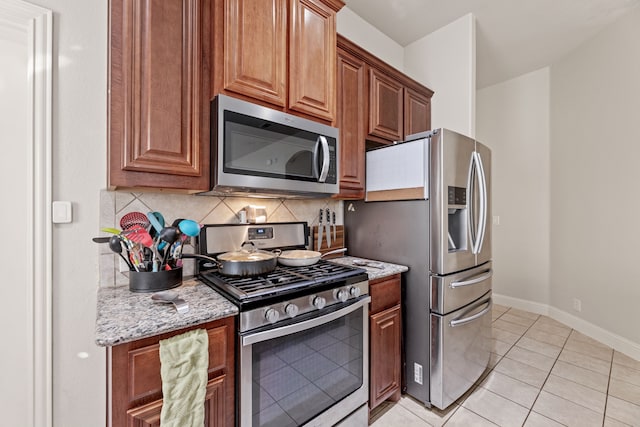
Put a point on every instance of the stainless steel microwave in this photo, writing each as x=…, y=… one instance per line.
x=263, y=152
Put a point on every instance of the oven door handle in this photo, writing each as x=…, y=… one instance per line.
x=307, y=324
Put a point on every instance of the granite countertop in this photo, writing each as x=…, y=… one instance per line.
x=375, y=269
x=124, y=316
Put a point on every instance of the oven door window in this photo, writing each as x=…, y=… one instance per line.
x=258, y=147
x=298, y=376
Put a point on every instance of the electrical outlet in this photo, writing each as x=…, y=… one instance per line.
x=496, y=220
x=417, y=373
x=577, y=305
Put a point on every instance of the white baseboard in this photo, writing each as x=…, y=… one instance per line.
x=614, y=341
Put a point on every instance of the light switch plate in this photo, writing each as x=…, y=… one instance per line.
x=61, y=212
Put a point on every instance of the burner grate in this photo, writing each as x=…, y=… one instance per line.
x=281, y=280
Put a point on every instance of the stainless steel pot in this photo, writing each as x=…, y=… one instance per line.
x=300, y=258
x=243, y=263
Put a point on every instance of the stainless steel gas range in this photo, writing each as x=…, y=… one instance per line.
x=303, y=332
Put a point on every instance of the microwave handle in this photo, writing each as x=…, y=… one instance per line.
x=325, y=159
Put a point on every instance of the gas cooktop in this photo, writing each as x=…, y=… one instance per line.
x=283, y=282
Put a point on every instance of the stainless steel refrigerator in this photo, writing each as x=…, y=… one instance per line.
x=428, y=207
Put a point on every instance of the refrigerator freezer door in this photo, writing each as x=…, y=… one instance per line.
x=460, y=350
x=451, y=164
x=450, y=292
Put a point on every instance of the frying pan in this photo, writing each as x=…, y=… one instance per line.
x=300, y=258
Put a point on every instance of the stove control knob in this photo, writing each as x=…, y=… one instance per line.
x=319, y=302
x=291, y=310
x=354, y=291
x=342, y=295
x=271, y=315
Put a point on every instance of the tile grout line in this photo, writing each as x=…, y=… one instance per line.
x=545, y=380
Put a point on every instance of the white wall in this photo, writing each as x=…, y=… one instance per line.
x=595, y=111
x=79, y=162
x=513, y=120
x=359, y=31
x=445, y=62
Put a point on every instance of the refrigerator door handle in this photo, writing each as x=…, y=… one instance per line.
x=471, y=216
x=477, y=228
x=472, y=280
x=482, y=226
x=464, y=321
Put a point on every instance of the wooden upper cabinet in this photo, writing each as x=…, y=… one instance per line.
x=281, y=53
x=158, y=94
x=255, y=49
x=312, y=56
x=417, y=112
x=386, y=107
x=351, y=120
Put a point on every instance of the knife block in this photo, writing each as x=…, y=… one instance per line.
x=338, y=244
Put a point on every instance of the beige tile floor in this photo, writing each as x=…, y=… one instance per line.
x=542, y=373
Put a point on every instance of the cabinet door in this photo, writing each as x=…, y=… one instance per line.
x=136, y=383
x=312, y=58
x=417, y=112
x=351, y=120
x=385, y=106
x=158, y=94
x=385, y=356
x=255, y=49
x=214, y=408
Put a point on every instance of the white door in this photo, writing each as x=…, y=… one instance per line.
x=25, y=120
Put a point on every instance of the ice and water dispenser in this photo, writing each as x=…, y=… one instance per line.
x=458, y=217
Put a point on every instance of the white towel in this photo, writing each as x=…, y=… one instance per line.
x=184, y=362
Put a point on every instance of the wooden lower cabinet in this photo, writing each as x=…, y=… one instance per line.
x=385, y=337
x=136, y=385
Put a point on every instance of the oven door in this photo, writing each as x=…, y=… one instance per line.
x=314, y=372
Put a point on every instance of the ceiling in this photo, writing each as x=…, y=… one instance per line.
x=513, y=37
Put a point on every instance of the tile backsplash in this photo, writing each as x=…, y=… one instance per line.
x=202, y=209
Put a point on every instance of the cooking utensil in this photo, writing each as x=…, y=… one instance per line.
x=363, y=263
x=242, y=263
x=327, y=229
x=156, y=223
x=167, y=236
x=138, y=234
x=115, y=243
x=333, y=224
x=171, y=297
x=189, y=227
x=130, y=219
x=300, y=258
x=319, y=230
x=104, y=239
x=110, y=230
